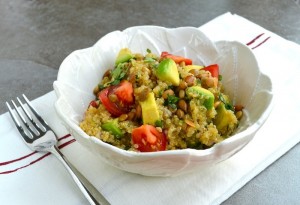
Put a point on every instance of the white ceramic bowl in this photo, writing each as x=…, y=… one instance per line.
x=242, y=79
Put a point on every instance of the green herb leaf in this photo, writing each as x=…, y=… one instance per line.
x=220, y=77
x=171, y=101
x=115, y=82
x=101, y=87
x=148, y=50
x=118, y=73
x=115, y=73
x=228, y=106
x=158, y=123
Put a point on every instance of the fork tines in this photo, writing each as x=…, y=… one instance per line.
x=32, y=129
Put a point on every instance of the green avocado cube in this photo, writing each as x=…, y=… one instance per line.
x=167, y=71
x=124, y=55
x=201, y=93
x=113, y=128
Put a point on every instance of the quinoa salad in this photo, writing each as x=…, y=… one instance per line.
x=155, y=102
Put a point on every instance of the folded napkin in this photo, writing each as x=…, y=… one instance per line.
x=35, y=178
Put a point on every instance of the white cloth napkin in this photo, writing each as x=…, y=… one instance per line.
x=47, y=182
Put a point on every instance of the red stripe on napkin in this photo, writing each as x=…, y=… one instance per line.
x=261, y=42
x=31, y=163
x=18, y=159
x=252, y=41
x=64, y=137
x=255, y=39
x=38, y=159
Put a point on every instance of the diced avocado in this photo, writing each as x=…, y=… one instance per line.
x=201, y=93
x=187, y=68
x=150, y=112
x=167, y=71
x=124, y=55
x=226, y=102
x=225, y=120
x=113, y=128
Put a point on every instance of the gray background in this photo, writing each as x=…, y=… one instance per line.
x=36, y=35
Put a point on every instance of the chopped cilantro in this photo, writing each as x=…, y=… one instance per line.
x=228, y=105
x=118, y=73
x=101, y=87
x=148, y=50
x=115, y=82
x=220, y=77
x=158, y=123
x=160, y=92
x=172, y=101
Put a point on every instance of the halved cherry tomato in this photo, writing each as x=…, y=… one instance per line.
x=149, y=139
x=124, y=92
x=177, y=59
x=213, y=69
x=110, y=106
x=123, y=101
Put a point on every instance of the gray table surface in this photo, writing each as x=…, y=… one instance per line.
x=35, y=36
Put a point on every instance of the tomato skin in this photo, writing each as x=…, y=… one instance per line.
x=177, y=59
x=110, y=106
x=213, y=69
x=149, y=139
x=125, y=98
x=124, y=92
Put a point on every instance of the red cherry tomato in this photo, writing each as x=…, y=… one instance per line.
x=149, y=139
x=177, y=59
x=213, y=69
x=110, y=106
x=123, y=101
x=124, y=92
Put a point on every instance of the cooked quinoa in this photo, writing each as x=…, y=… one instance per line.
x=192, y=110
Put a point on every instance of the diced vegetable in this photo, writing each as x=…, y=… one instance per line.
x=201, y=93
x=177, y=59
x=110, y=106
x=213, y=69
x=150, y=113
x=117, y=99
x=167, y=71
x=124, y=92
x=187, y=68
x=112, y=127
x=124, y=55
x=147, y=138
x=225, y=119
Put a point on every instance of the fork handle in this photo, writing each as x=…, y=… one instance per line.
x=80, y=185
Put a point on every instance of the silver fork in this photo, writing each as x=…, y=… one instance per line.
x=40, y=137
